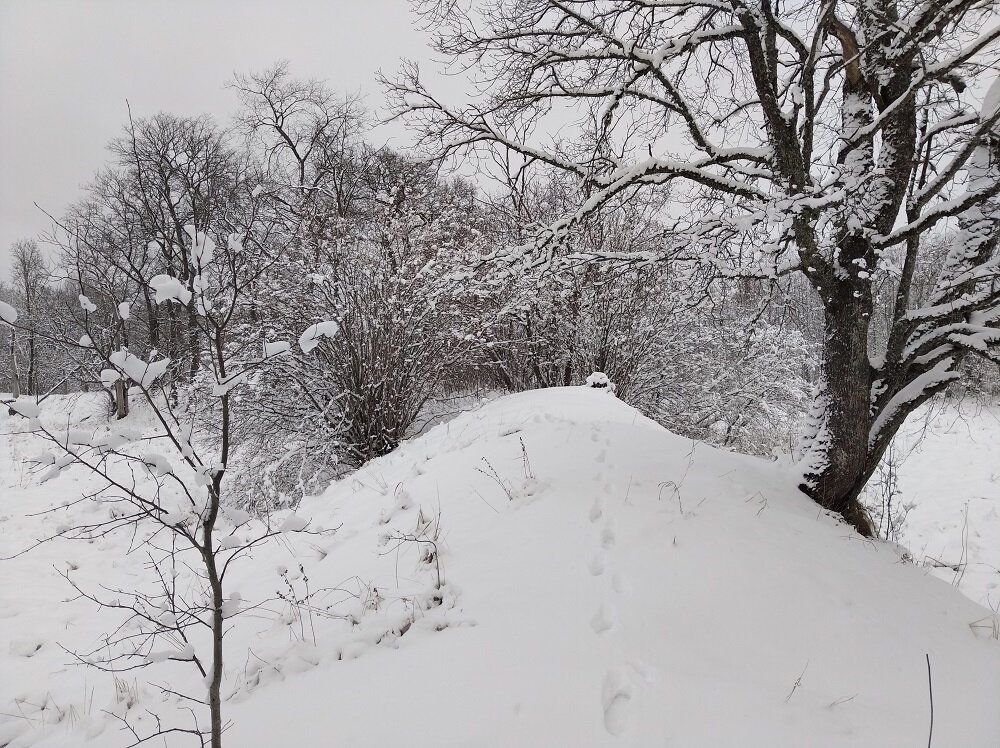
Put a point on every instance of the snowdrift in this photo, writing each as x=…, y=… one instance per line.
x=552, y=569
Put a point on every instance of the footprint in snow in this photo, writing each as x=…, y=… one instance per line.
x=596, y=565
x=24, y=647
x=617, y=695
x=608, y=536
x=620, y=584
x=603, y=619
x=597, y=510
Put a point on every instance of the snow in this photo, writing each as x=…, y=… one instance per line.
x=294, y=523
x=276, y=348
x=141, y=372
x=225, y=386
x=311, y=337
x=940, y=373
x=950, y=474
x=124, y=310
x=232, y=605
x=184, y=653
x=602, y=582
x=158, y=464
x=8, y=313
x=202, y=248
x=991, y=102
x=109, y=377
x=87, y=304
x=599, y=380
x=168, y=288
x=25, y=406
x=235, y=243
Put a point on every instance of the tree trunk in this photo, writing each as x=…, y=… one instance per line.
x=843, y=463
x=121, y=399
x=15, y=382
x=218, y=598
x=32, y=389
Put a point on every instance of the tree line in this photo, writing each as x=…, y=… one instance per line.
x=397, y=251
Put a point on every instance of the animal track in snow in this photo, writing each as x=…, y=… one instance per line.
x=616, y=698
x=620, y=584
x=603, y=619
x=608, y=535
x=643, y=670
x=597, y=510
x=596, y=565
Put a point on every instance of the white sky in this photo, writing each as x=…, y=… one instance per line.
x=67, y=67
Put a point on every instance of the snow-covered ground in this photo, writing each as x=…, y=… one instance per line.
x=603, y=582
x=950, y=473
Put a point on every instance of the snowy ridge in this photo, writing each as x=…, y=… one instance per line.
x=602, y=582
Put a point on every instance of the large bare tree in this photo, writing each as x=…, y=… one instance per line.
x=830, y=138
x=31, y=275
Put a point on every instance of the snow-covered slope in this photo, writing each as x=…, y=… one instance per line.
x=604, y=582
x=950, y=472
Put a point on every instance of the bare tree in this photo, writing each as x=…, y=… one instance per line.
x=175, y=172
x=9, y=315
x=309, y=141
x=808, y=137
x=30, y=275
x=184, y=503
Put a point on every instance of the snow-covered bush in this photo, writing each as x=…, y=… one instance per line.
x=380, y=262
x=706, y=357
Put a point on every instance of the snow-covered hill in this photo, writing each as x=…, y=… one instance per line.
x=602, y=582
x=949, y=475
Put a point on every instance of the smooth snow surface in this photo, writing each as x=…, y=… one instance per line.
x=950, y=473
x=604, y=583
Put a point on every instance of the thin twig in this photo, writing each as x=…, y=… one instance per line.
x=930, y=693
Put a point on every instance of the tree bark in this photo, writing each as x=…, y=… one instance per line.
x=121, y=399
x=844, y=462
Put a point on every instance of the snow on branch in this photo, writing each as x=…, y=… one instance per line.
x=312, y=335
x=141, y=372
x=168, y=288
x=8, y=313
x=916, y=391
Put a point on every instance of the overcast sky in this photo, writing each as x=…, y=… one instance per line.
x=68, y=66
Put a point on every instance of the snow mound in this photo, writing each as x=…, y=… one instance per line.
x=552, y=569
x=617, y=584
